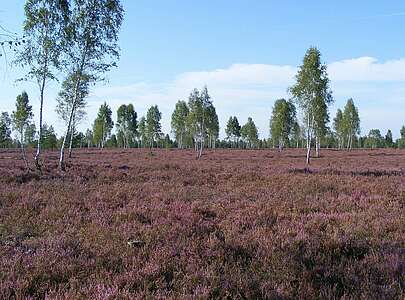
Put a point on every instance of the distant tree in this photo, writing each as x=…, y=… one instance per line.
x=126, y=124
x=282, y=122
x=103, y=125
x=21, y=118
x=142, y=131
x=30, y=135
x=45, y=22
x=389, y=142
x=5, y=130
x=374, y=139
x=92, y=46
x=49, y=138
x=112, y=142
x=340, y=128
x=249, y=133
x=200, y=106
x=311, y=92
x=153, y=128
x=168, y=143
x=65, y=104
x=296, y=133
x=179, y=122
x=212, y=127
x=89, y=138
x=232, y=130
x=351, y=122
x=401, y=140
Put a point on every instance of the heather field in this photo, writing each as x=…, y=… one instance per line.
x=235, y=224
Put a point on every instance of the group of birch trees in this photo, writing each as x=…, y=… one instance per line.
x=196, y=122
x=75, y=38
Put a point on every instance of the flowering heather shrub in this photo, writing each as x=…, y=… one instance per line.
x=236, y=224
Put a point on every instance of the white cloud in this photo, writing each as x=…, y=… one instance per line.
x=367, y=69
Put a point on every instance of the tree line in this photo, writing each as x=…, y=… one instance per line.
x=194, y=125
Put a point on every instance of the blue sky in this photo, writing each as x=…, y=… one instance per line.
x=247, y=53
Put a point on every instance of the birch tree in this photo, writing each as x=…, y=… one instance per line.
x=232, y=131
x=282, y=122
x=65, y=104
x=249, y=133
x=153, y=128
x=21, y=118
x=351, y=122
x=44, y=26
x=103, y=125
x=179, y=122
x=142, y=132
x=92, y=40
x=312, y=94
x=199, y=104
x=5, y=130
x=339, y=127
x=126, y=124
x=212, y=126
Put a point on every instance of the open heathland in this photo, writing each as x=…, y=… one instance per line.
x=236, y=224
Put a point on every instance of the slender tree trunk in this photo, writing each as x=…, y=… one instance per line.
x=38, y=152
x=24, y=155
x=72, y=133
x=317, y=146
x=309, y=138
x=62, y=148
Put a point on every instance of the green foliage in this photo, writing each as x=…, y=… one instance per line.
x=153, y=128
x=5, y=130
x=179, y=122
x=30, y=135
x=374, y=139
x=22, y=116
x=250, y=134
x=142, y=131
x=232, y=130
x=44, y=27
x=91, y=40
x=126, y=125
x=202, y=120
x=212, y=126
x=102, y=125
x=312, y=94
x=45, y=22
x=66, y=99
x=89, y=138
x=49, y=139
x=389, y=143
x=282, y=121
x=351, y=122
x=112, y=142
